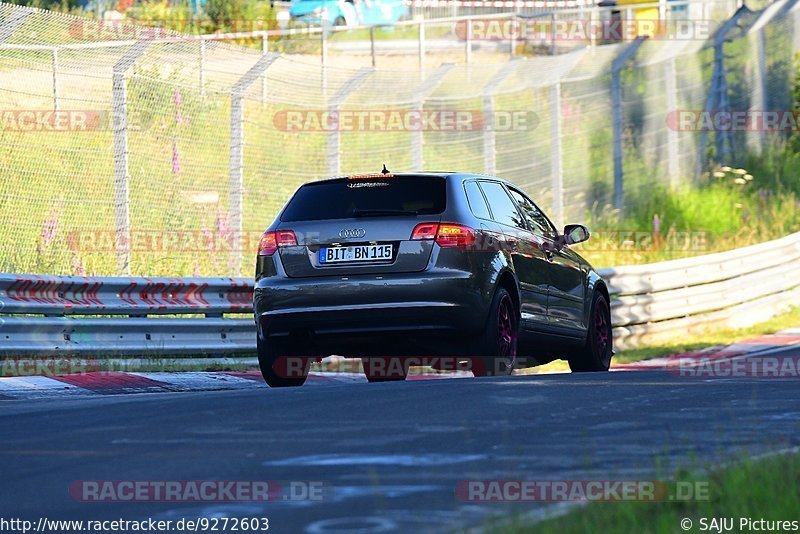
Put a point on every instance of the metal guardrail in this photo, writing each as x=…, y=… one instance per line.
x=735, y=288
x=126, y=316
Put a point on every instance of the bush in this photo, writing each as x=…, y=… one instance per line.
x=75, y=7
x=217, y=16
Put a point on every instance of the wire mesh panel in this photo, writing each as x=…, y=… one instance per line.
x=130, y=153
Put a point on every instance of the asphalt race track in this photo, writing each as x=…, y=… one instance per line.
x=389, y=455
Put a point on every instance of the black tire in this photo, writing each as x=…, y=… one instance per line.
x=339, y=21
x=497, y=346
x=276, y=368
x=384, y=369
x=596, y=354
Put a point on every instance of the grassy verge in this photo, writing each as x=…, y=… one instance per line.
x=718, y=336
x=767, y=488
x=731, y=208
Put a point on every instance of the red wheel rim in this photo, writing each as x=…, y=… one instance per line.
x=602, y=331
x=507, y=331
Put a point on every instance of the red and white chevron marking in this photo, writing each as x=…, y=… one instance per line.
x=77, y=294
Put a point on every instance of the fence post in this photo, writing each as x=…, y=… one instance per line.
x=236, y=182
x=616, y=114
x=718, y=94
x=421, y=50
x=673, y=153
x=780, y=9
x=54, y=62
x=758, y=101
x=489, y=135
x=420, y=94
x=202, y=68
x=324, y=55
x=626, y=25
x=512, y=28
x=556, y=155
x=796, y=28
x=119, y=107
x=334, y=136
x=468, y=43
x=372, y=44
x=264, y=52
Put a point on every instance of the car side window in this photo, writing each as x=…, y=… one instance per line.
x=536, y=219
x=503, y=209
x=477, y=204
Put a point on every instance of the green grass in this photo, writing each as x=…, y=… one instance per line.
x=736, y=209
x=767, y=488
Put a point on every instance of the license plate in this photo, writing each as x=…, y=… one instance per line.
x=355, y=253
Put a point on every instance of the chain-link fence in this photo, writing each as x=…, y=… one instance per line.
x=169, y=156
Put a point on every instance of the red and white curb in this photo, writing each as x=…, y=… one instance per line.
x=760, y=346
x=118, y=383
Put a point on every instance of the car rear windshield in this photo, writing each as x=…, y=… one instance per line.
x=344, y=198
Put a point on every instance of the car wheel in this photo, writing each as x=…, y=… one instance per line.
x=596, y=354
x=384, y=368
x=498, y=344
x=339, y=21
x=278, y=368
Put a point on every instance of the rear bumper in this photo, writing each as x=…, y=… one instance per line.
x=431, y=302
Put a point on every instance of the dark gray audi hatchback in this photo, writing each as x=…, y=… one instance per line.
x=450, y=270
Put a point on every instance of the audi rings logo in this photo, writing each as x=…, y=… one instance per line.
x=353, y=232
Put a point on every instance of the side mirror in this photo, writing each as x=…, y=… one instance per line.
x=575, y=233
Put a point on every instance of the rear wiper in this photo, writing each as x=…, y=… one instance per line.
x=376, y=212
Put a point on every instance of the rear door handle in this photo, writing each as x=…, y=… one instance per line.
x=512, y=243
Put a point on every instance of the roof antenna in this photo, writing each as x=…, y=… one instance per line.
x=385, y=170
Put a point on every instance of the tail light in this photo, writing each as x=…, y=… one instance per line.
x=455, y=235
x=270, y=241
x=445, y=234
x=425, y=231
